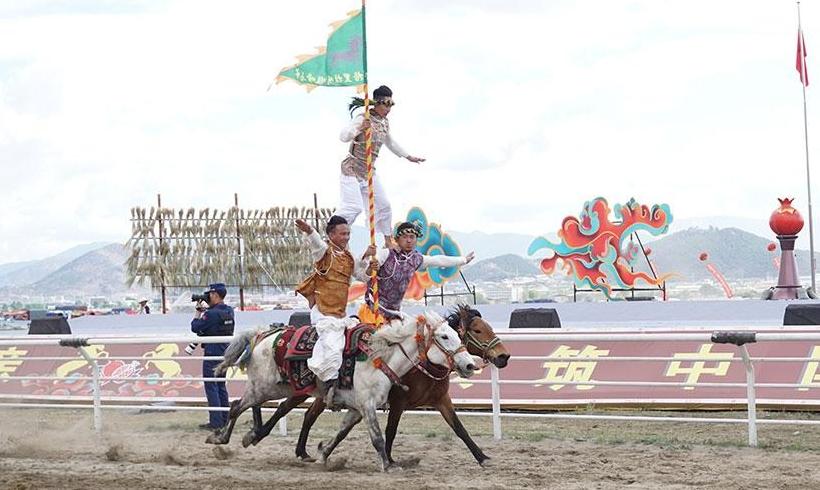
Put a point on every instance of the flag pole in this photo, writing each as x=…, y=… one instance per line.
x=806, y=137
x=368, y=151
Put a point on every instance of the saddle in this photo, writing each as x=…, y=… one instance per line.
x=242, y=362
x=295, y=346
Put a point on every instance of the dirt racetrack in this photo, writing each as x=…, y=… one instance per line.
x=58, y=449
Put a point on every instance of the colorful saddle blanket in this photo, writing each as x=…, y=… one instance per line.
x=295, y=347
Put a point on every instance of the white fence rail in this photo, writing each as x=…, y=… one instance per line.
x=97, y=402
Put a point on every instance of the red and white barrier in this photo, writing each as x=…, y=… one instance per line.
x=561, y=369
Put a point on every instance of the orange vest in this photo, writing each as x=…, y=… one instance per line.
x=327, y=285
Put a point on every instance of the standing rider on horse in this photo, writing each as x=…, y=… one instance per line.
x=353, y=181
x=326, y=290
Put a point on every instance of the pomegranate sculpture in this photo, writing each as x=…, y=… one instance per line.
x=786, y=223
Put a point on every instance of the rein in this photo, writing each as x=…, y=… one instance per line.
x=425, y=342
x=387, y=370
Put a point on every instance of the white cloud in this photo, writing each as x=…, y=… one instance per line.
x=524, y=110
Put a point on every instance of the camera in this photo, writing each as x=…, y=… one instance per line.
x=200, y=297
x=190, y=348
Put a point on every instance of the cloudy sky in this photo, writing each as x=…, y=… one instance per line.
x=524, y=109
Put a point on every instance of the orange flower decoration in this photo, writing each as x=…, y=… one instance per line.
x=419, y=338
x=377, y=363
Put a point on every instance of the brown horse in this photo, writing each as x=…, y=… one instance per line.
x=426, y=389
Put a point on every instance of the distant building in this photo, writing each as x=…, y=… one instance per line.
x=496, y=293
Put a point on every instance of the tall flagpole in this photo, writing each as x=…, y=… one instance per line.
x=806, y=136
x=368, y=151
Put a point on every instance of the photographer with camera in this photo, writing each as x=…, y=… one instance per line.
x=215, y=320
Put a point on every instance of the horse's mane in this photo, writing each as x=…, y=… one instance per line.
x=454, y=318
x=399, y=330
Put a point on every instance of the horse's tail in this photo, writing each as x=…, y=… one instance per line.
x=235, y=351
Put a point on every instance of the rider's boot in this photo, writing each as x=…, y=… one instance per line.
x=328, y=388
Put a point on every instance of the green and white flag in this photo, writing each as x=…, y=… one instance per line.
x=342, y=63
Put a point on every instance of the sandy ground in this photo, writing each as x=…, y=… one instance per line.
x=58, y=449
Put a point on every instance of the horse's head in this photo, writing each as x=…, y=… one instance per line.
x=445, y=347
x=478, y=336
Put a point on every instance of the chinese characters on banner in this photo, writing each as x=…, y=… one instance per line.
x=569, y=376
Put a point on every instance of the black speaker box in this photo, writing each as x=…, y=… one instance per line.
x=299, y=319
x=807, y=314
x=50, y=326
x=535, y=318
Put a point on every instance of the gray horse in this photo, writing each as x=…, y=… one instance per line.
x=394, y=345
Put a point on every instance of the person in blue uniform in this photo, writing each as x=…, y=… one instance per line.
x=216, y=320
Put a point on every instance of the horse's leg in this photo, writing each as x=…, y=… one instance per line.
x=223, y=435
x=445, y=406
x=351, y=418
x=376, y=434
x=258, y=433
x=397, y=406
x=257, y=418
x=316, y=409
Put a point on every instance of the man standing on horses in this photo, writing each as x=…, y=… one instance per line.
x=354, y=192
x=326, y=290
x=396, y=269
x=217, y=320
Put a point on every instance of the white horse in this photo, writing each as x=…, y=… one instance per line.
x=396, y=345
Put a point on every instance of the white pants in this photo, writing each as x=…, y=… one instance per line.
x=326, y=359
x=353, y=200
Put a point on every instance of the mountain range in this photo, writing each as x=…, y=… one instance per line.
x=97, y=269
x=94, y=269
x=31, y=271
x=737, y=254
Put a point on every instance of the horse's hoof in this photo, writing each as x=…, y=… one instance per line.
x=306, y=459
x=486, y=462
x=391, y=468
x=249, y=438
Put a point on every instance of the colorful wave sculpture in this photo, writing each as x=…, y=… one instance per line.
x=597, y=252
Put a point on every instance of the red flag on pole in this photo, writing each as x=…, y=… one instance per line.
x=801, y=59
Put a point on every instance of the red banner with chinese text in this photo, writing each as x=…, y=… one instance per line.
x=556, y=382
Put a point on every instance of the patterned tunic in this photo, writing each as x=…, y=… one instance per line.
x=394, y=277
x=327, y=286
x=355, y=164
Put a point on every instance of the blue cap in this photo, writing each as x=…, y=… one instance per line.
x=218, y=288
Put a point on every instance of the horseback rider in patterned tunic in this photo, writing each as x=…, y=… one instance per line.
x=396, y=270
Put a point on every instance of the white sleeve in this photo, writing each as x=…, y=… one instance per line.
x=361, y=265
x=395, y=147
x=381, y=255
x=352, y=130
x=360, y=269
x=317, y=246
x=442, y=261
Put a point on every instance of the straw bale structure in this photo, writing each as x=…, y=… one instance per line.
x=248, y=248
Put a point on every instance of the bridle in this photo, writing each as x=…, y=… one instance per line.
x=425, y=339
x=470, y=339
